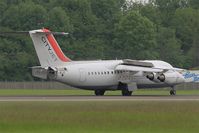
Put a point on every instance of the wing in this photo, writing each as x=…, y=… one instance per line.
x=137, y=69
x=137, y=66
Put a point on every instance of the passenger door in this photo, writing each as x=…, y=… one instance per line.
x=82, y=77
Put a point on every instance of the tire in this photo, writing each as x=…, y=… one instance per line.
x=126, y=93
x=99, y=92
x=173, y=92
x=124, y=88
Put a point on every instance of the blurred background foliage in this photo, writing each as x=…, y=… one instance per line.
x=101, y=29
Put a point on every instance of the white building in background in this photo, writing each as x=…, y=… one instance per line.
x=129, y=3
x=142, y=1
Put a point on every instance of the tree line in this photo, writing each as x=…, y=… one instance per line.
x=101, y=29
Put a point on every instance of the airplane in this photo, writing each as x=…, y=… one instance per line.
x=102, y=75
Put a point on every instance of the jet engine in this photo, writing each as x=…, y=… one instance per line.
x=153, y=77
x=161, y=77
x=171, y=77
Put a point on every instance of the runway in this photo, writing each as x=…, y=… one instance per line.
x=100, y=98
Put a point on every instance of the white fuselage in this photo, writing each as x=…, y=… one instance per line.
x=125, y=75
x=100, y=75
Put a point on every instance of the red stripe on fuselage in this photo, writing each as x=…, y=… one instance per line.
x=56, y=47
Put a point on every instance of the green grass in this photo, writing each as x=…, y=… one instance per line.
x=84, y=92
x=99, y=117
x=43, y=92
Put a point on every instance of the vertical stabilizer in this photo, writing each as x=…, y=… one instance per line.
x=47, y=48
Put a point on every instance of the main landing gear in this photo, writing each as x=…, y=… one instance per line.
x=124, y=88
x=126, y=93
x=99, y=92
x=172, y=92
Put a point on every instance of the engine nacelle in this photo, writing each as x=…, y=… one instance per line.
x=153, y=77
x=150, y=76
x=161, y=77
x=171, y=78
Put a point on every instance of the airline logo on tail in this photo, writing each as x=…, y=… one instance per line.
x=46, y=44
x=55, y=47
x=47, y=48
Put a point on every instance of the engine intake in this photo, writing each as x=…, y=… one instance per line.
x=150, y=76
x=161, y=77
x=153, y=77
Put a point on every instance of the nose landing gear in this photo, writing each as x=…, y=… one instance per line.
x=172, y=92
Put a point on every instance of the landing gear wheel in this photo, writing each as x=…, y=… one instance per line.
x=173, y=92
x=124, y=88
x=99, y=92
x=126, y=93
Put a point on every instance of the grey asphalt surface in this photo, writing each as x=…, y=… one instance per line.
x=100, y=98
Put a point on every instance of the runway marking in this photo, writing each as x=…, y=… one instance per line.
x=97, y=98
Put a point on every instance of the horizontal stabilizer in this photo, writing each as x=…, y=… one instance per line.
x=49, y=32
x=36, y=31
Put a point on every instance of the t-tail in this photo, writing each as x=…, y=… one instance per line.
x=47, y=48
